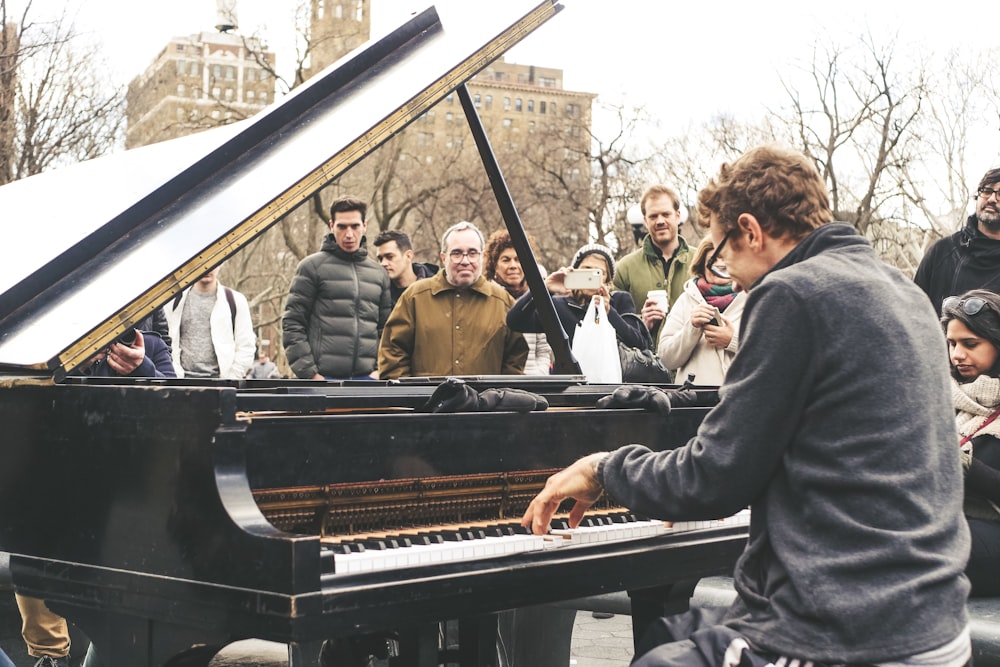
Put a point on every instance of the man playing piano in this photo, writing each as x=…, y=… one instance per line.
x=832, y=424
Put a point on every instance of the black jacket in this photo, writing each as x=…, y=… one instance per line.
x=421, y=270
x=958, y=263
x=523, y=317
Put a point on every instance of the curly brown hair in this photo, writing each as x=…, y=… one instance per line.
x=495, y=245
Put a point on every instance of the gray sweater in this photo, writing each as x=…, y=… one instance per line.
x=835, y=425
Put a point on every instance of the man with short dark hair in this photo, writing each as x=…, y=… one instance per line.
x=969, y=258
x=834, y=424
x=453, y=323
x=395, y=253
x=661, y=262
x=338, y=302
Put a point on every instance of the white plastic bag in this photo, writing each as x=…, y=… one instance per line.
x=595, y=346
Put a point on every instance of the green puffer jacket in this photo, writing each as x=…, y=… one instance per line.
x=337, y=305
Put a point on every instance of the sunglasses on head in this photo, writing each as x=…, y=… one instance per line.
x=971, y=306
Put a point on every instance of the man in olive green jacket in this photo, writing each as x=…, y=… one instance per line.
x=661, y=263
x=455, y=322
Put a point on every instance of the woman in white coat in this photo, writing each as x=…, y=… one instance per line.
x=694, y=340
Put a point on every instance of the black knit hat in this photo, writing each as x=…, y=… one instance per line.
x=595, y=249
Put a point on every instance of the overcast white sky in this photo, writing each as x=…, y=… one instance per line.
x=654, y=53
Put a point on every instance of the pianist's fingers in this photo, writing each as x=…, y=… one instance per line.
x=578, y=481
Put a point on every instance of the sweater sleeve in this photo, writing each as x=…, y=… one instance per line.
x=678, y=338
x=742, y=440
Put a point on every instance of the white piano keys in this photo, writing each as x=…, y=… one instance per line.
x=415, y=555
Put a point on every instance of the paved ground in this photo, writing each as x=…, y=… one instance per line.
x=596, y=643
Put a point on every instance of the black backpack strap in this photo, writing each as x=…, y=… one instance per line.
x=232, y=306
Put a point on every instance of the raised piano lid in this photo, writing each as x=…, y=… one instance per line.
x=123, y=234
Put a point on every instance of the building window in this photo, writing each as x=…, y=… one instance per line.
x=476, y=100
x=449, y=117
x=546, y=82
x=217, y=71
x=320, y=9
x=338, y=11
x=552, y=107
x=517, y=104
x=229, y=94
x=181, y=67
x=531, y=126
x=506, y=104
x=230, y=73
x=249, y=96
x=541, y=107
x=489, y=101
x=531, y=106
x=359, y=10
x=250, y=74
x=195, y=69
x=572, y=110
x=181, y=89
x=263, y=98
x=196, y=93
x=180, y=114
x=215, y=114
x=216, y=91
x=180, y=48
x=507, y=122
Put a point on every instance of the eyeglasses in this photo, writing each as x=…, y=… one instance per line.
x=458, y=256
x=710, y=264
x=971, y=306
x=986, y=193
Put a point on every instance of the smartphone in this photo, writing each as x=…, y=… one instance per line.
x=584, y=279
x=716, y=320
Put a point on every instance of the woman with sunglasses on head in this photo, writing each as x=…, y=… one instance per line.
x=972, y=327
x=694, y=340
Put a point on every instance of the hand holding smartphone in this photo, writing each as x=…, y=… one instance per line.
x=716, y=320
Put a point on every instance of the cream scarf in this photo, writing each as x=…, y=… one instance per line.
x=974, y=402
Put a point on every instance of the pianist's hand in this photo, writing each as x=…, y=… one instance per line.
x=123, y=359
x=579, y=481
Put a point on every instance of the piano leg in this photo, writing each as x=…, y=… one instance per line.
x=418, y=647
x=477, y=640
x=649, y=604
x=304, y=654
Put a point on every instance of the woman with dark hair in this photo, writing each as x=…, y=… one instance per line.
x=502, y=265
x=972, y=327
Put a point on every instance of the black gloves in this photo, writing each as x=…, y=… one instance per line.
x=454, y=395
x=652, y=398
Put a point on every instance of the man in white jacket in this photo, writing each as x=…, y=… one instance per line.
x=211, y=330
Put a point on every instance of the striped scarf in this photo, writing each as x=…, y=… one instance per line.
x=719, y=296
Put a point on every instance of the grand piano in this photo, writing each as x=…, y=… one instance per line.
x=167, y=519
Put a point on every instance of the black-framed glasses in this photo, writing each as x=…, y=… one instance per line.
x=710, y=264
x=457, y=255
x=971, y=306
x=986, y=193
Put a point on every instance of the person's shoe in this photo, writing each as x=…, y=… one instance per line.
x=49, y=661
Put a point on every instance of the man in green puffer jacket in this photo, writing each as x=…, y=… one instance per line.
x=338, y=302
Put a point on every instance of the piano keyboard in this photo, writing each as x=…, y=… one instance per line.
x=388, y=551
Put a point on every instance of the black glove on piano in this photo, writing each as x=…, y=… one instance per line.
x=454, y=395
x=651, y=399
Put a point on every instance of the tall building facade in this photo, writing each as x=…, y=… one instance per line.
x=336, y=27
x=197, y=82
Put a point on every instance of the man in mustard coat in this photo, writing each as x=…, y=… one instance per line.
x=453, y=323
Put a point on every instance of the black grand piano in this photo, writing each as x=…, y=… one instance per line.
x=167, y=519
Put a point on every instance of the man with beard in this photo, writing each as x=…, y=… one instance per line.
x=661, y=263
x=453, y=323
x=969, y=258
